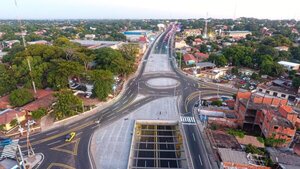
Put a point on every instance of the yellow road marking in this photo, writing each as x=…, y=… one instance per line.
x=73, y=152
x=64, y=166
x=61, y=134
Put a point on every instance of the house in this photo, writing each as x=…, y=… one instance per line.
x=233, y=159
x=289, y=65
x=197, y=41
x=180, y=44
x=40, y=42
x=95, y=44
x=44, y=99
x=279, y=89
x=201, y=56
x=237, y=34
x=271, y=116
x=7, y=115
x=205, y=65
x=284, y=159
x=10, y=43
x=1, y=34
x=40, y=32
x=192, y=32
x=213, y=74
x=189, y=59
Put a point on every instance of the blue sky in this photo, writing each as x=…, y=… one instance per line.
x=139, y=9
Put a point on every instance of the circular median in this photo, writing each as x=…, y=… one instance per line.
x=162, y=83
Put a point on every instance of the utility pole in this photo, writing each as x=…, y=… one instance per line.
x=29, y=146
x=25, y=47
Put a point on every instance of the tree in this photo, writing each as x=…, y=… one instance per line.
x=8, y=82
x=296, y=82
x=295, y=51
x=103, y=82
x=238, y=133
x=60, y=72
x=255, y=76
x=203, y=48
x=20, y=97
x=219, y=60
x=67, y=105
x=129, y=51
x=216, y=103
x=112, y=60
x=38, y=114
x=13, y=123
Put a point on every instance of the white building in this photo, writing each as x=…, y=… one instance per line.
x=40, y=42
x=135, y=35
x=89, y=36
x=289, y=65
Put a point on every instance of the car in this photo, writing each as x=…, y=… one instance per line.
x=5, y=141
x=70, y=136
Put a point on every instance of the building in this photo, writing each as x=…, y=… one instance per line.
x=278, y=88
x=2, y=54
x=284, y=159
x=8, y=115
x=289, y=65
x=205, y=65
x=40, y=42
x=94, y=44
x=272, y=117
x=189, y=59
x=213, y=74
x=192, y=32
x=237, y=34
x=89, y=36
x=135, y=35
x=201, y=56
x=10, y=43
x=180, y=44
x=197, y=42
x=232, y=159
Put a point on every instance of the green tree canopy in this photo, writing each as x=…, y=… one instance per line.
x=67, y=105
x=103, y=82
x=20, y=97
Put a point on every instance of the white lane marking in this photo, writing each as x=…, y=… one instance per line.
x=200, y=159
x=95, y=126
x=114, y=109
x=72, y=125
x=131, y=95
x=55, y=131
x=111, y=118
x=111, y=114
x=54, y=142
x=79, y=133
x=194, y=136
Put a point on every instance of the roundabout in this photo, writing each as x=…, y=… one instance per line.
x=162, y=83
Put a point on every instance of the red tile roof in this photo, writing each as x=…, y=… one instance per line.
x=143, y=39
x=44, y=99
x=4, y=102
x=8, y=115
x=201, y=56
x=188, y=57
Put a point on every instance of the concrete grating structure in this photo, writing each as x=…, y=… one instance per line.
x=157, y=144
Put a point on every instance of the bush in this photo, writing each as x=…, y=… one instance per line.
x=20, y=97
x=38, y=113
x=238, y=133
x=254, y=150
x=216, y=103
x=13, y=123
x=261, y=140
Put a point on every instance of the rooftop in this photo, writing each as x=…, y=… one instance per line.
x=233, y=156
x=288, y=63
x=284, y=157
x=220, y=139
x=205, y=64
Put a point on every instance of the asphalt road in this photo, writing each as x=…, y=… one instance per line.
x=58, y=153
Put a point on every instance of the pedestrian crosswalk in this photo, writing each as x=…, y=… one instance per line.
x=187, y=120
x=10, y=150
